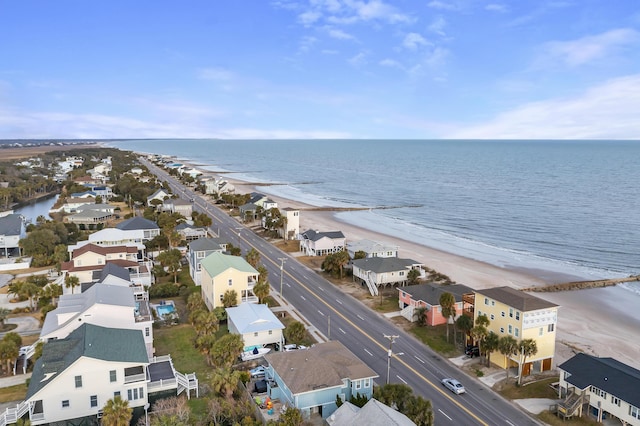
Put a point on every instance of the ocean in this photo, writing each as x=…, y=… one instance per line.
x=565, y=207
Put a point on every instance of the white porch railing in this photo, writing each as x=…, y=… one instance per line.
x=373, y=288
x=11, y=415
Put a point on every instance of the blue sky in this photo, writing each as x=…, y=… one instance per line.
x=525, y=69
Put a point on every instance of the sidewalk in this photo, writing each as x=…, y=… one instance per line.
x=285, y=307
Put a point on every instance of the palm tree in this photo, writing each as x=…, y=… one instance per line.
x=226, y=350
x=262, y=290
x=448, y=306
x=206, y=323
x=8, y=352
x=71, y=281
x=478, y=334
x=508, y=346
x=342, y=258
x=528, y=347
x=225, y=381
x=464, y=323
x=420, y=411
x=413, y=275
x=195, y=302
x=32, y=292
x=171, y=260
x=230, y=298
x=491, y=343
x=252, y=257
x=421, y=315
x=295, y=332
x=116, y=412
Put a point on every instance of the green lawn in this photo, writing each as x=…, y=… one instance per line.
x=538, y=389
x=13, y=393
x=436, y=339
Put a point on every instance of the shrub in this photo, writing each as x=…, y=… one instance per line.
x=164, y=290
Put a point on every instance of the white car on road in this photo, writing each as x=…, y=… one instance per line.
x=453, y=385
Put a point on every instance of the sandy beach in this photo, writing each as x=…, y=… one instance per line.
x=585, y=324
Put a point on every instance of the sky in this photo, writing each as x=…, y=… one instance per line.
x=298, y=69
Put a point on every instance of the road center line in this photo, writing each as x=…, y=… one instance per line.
x=422, y=361
x=365, y=349
x=321, y=313
x=401, y=379
x=342, y=331
x=442, y=412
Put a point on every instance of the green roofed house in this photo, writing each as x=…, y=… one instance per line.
x=221, y=273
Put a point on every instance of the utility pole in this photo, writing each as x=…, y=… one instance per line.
x=282, y=260
x=329, y=327
x=391, y=338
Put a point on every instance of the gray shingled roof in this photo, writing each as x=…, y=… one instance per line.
x=11, y=224
x=204, y=244
x=315, y=236
x=137, y=223
x=384, y=264
x=516, y=299
x=373, y=413
x=431, y=293
x=607, y=374
x=321, y=366
x=91, y=341
x=115, y=270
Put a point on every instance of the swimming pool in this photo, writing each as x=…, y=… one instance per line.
x=165, y=309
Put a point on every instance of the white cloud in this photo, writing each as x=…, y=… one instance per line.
x=309, y=17
x=306, y=43
x=391, y=63
x=214, y=74
x=442, y=5
x=339, y=34
x=353, y=11
x=359, y=59
x=607, y=111
x=414, y=40
x=437, y=26
x=496, y=7
x=587, y=49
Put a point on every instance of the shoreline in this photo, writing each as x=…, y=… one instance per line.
x=585, y=320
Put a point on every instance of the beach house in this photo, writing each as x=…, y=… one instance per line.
x=373, y=413
x=292, y=223
x=605, y=387
x=222, y=273
x=12, y=230
x=428, y=296
x=375, y=272
x=257, y=325
x=312, y=379
x=521, y=315
x=160, y=195
x=189, y=232
x=314, y=243
x=371, y=249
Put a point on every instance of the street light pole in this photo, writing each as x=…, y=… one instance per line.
x=282, y=260
x=391, y=338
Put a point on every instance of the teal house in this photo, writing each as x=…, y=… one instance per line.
x=311, y=379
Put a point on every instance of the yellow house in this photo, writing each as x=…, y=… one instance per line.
x=221, y=273
x=518, y=314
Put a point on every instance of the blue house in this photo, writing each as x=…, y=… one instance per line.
x=311, y=379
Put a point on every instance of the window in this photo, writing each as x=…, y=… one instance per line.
x=510, y=329
x=486, y=301
x=367, y=383
x=147, y=332
x=200, y=254
x=94, y=400
x=221, y=298
x=518, y=315
x=230, y=282
x=634, y=412
x=270, y=332
x=493, y=303
x=116, y=393
x=502, y=314
x=401, y=273
x=501, y=329
x=599, y=392
x=65, y=403
x=517, y=332
x=358, y=384
x=136, y=393
x=550, y=328
x=78, y=381
x=540, y=331
x=615, y=400
x=493, y=317
x=112, y=376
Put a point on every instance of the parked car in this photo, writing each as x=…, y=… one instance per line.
x=453, y=385
x=472, y=351
x=260, y=386
x=293, y=347
x=259, y=371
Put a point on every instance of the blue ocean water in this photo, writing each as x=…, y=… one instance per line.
x=567, y=207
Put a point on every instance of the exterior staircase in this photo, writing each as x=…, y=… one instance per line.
x=187, y=382
x=12, y=415
x=26, y=352
x=373, y=288
x=572, y=404
x=409, y=313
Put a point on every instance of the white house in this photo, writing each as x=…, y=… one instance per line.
x=371, y=249
x=375, y=272
x=257, y=325
x=314, y=243
x=292, y=217
x=12, y=230
x=160, y=195
x=178, y=205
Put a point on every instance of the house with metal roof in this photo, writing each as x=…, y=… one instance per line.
x=371, y=249
x=311, y=379
x=375, y=272
x=605, y=388
x=257, y=325
x=12, y=230
x=373, y=413
x=428, y=296
x=222, y=273
x=314, y=243
x=521, y=315
x=198, y=250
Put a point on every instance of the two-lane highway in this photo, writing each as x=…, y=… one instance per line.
x=344, y=318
